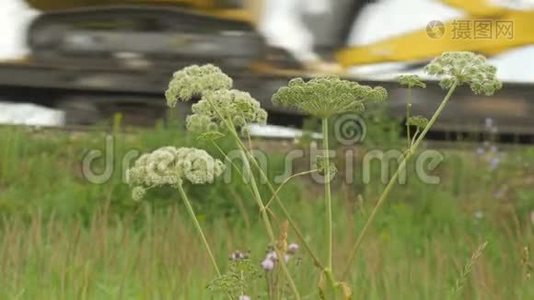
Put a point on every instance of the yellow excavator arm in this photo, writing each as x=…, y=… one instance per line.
x=486, y=29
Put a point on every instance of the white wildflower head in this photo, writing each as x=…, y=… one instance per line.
x=194, y=81
x=327, y=96
x=171, y=166
x=465, y=68
x=244, y=297
x=217, y=107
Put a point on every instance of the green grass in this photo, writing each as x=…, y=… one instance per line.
x=64, y=238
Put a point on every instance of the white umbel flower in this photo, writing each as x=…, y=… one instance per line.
x=194, y=81
x=171, y=166
x=465, y=67
x=217, y=108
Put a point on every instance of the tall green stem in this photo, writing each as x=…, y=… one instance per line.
x=328, y=197
x=395, y=177
x=292, y=223
x=193, y=216
x=267, y=223
x=263, y=211
x=436, y=115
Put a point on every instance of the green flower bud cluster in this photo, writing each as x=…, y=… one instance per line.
x=418, y=121
x=327, y=96
x=217, y=107
x=320, y=164
x=194, y=81
x=170, y=166
x=411, y=81
x=465, y=68
x=240, y=274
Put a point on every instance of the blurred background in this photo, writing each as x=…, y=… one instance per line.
x=89, y=76
x=82, y=61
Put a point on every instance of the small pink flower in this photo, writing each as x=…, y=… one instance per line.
x=267, y=264
x=244, y=297
x=272, y=256
x=292, y=248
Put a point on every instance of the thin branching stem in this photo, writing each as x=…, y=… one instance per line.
x=292, y=223
x=408, y=114
x=287, y=180
x=414, y=138
x=267, y=223
x=436, y=115
x=284, y=210
x=193, y=216
x=394, y=178
x=257, y=196
x=226, y=158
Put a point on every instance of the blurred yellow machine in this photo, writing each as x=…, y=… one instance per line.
x=399, y=48
x=91, y=58
x=219, y=8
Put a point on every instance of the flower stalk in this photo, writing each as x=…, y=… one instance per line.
x=328, y=196
x=224, y=122
x=402, y=166
x=200, y=232
x=222, y=110
x=455, y=69
x=287, y=215
x=263, y=212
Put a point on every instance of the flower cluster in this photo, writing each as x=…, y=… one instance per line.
x=465, y=68
x=327, y=96
x=170, y=166
x=238, y=278
x=271, y=258
x=194, y=81
x=219, y=104
x=320, y=164
x=411, y=81
x=418, y=121
x=218, y=107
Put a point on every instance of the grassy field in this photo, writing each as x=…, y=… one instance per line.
x=62, y=237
